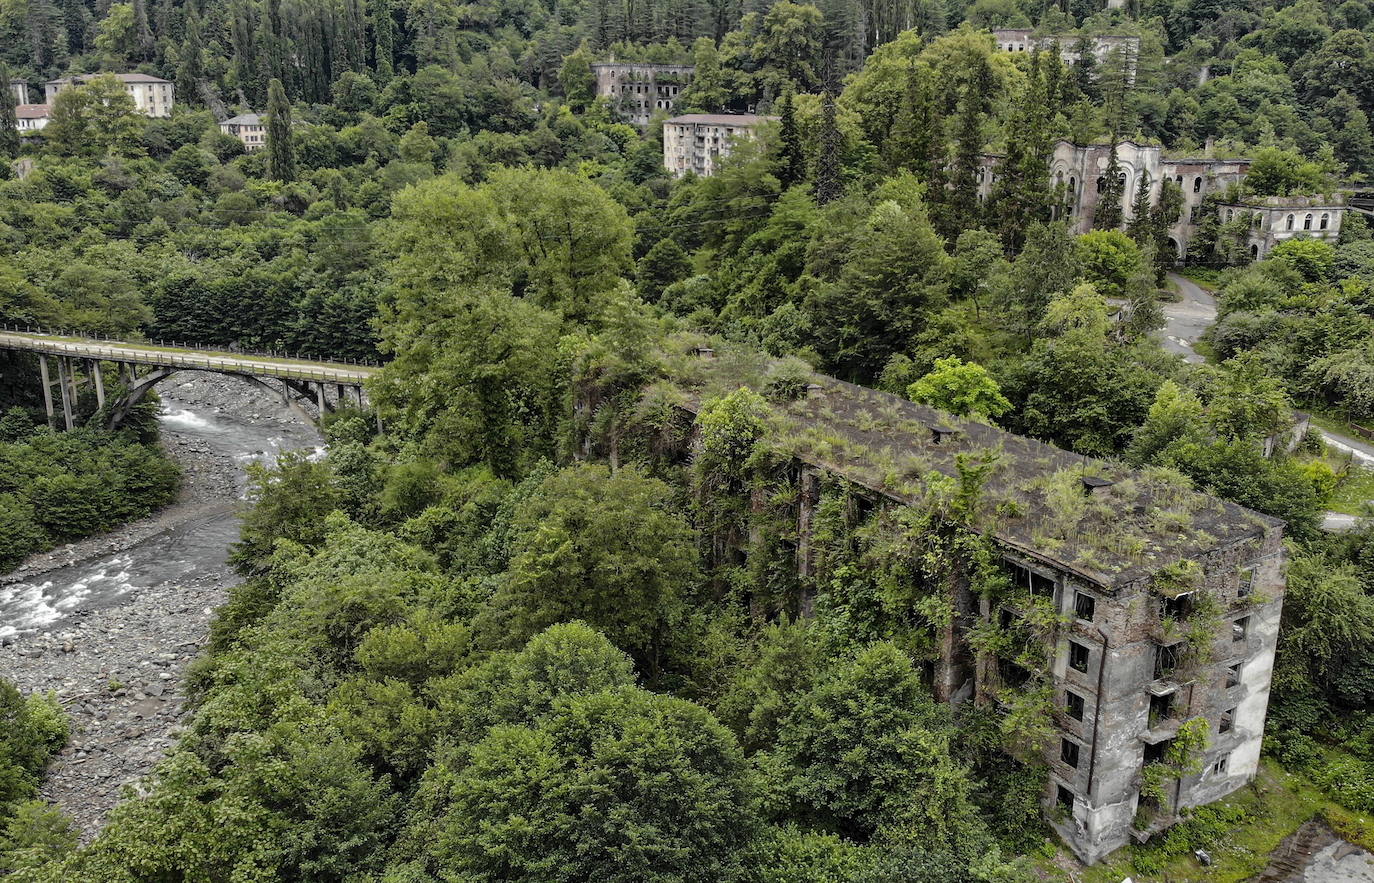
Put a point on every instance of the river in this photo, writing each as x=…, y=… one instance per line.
x=110, y=623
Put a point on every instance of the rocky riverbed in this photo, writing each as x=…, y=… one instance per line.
x=110, y=624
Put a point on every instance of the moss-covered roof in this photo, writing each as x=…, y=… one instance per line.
x=1101, y=520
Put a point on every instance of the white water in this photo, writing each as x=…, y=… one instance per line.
x=192, y=548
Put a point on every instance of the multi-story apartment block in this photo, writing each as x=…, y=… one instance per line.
x=152, y=96
x=1079, y=171
x=697, y=142
x=250, y=128
x=639, y=90
x=1164, y=602
x=32, y=117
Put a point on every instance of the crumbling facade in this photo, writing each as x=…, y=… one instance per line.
x=1078, y=173
x=1105, y=48
x=639, y=90
x=249, y=128
x=697, y=142
x=1164, y=602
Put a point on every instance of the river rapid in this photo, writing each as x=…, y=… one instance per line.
x=110, y=623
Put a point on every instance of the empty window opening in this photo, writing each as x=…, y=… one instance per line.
x=1161, y=709
x=1289, y=223
x=1064, y=797
x=1166, y=659
x=1197, y=185
x=1221, y=764
x=1078, y=657
x=1233, y=676
x=1177, y=608
x=1228, y=718
x=1326, y=219
x=1084, y=606
x=1158, y=751
x=1307, y=222
x=1247, y=582
x=1073, y=705
x=1068, y=752
x=1240, y=629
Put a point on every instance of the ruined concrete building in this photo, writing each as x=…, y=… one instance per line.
x=1166, y=600
x=1079, y=173
x=639, y=89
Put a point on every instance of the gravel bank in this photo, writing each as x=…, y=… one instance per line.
x=118, y=669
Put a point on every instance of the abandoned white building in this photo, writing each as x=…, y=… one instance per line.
x=1275, y=219
x=697, y=142
x=32, y=118
x=638, y=90
x=249, y=128
x=152, y=96
x=1080, y=171
x=1167, y=600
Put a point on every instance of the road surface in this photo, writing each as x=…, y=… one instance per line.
x=1186, y=320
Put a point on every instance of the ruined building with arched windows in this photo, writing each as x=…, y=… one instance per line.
x=1079, y=173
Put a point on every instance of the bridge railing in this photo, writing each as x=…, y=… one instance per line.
x=185, y=345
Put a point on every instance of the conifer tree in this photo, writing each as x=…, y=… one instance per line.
x=962, y=213
x=281, y=161
x=829, y=187
x=1140, y=228
x=791, y=164
x=383, y=39
x=190, y=72
x=9, y=123
x=917, y=138
x=1109, y=195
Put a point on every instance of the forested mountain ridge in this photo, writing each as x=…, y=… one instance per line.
x=457, y=636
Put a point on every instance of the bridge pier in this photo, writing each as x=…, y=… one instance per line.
x=99, y=380
x=47, y=387
x=319, y=393
x=65, y=385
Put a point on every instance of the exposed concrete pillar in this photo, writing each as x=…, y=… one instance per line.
x=99, y=380
x=319, y=396
x=47, y=386
x=64, y=376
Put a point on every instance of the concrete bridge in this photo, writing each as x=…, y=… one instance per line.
x=142, y=366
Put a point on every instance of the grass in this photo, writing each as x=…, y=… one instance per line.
x=1275, y=805
x=1209, y=278
x=1354, y=490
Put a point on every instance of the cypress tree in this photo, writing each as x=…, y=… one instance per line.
x=190, y=72
x=383, y=39
x=1109, y=196
x=829, y=187
x=962, y=211
x=281, y=162
x=791, y=164
x=9, y=123
x=1140, y=227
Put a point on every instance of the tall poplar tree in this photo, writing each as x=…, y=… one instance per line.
x=9, y=123
x=791, y=163
x=829, y=187
x=191, y=71
x=281, y=161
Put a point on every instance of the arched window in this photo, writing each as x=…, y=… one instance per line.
x=1101, y=182
x=1254, y=252
x=1197, y=185
x=1073, y=184
x=1326, y=220
x=1178, y=179
x=1289, y=225
x=1307, y=222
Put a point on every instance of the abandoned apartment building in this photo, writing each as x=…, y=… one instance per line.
x=1168, y=598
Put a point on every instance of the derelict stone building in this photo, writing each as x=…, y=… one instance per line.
x=1167, y=600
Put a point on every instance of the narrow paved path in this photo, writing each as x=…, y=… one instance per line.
x=1187, y=319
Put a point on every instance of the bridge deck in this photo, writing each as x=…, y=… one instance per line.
x=188, y=359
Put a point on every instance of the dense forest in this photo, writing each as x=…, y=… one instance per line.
x=471, y=648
